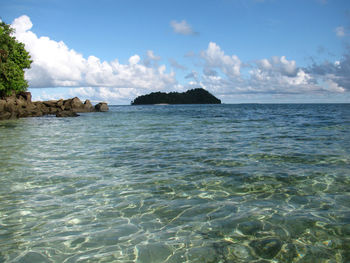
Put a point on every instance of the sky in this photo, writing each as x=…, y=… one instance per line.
x=242, y=51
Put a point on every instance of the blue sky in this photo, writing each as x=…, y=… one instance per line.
x=240, y=50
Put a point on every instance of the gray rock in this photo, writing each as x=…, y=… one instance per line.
x=10, y=105
x=60, y=103
x=5, y=115
x=102, y=106
x=27, y=96
x=88, y=106
x=20, y=106
x=2, y=105
x=50, y=103
x=76, y=103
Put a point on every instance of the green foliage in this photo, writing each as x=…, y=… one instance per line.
x=13, y=60
x=193, y=96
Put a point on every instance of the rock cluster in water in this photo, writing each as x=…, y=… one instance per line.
x=193, y=96
x=21, y=106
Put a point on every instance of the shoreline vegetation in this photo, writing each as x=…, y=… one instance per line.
x=193, y=96
x=20, y=105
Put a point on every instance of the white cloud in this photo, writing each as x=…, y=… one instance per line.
x=152, y=56
x=151, y=60
x=340, y=31
x=214, y=57
x=336, y=75
x=276, y=75
x=275, y=81
x=22, y=24
x=55, y=65
x=182, y=28
x=192, y=75
x=111, y=95
x=278, y=64
x=333, y=86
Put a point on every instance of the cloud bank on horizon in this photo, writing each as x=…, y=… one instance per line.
x=56, y=65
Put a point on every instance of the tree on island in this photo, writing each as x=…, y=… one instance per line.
x=193, y=96
x=14, y=59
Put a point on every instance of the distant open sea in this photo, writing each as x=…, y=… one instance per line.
x=185, y=183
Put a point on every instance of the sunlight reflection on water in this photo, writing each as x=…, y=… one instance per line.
x=217, y=183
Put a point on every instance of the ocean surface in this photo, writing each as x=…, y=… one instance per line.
x=184, y=183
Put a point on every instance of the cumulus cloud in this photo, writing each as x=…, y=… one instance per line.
x=336, y=75
x=151, y=59
x=56, y=65
x=209, y=72
x=278, y=64
x=192, y=75
x=275, y=75
x=152, y=56
x=273, y=80
x=96, y=94
x=340, y=31
x=214, y=57
x=182, y=28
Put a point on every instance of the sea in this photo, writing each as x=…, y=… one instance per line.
x=178, y=183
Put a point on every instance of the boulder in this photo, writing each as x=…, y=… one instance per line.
x=54, y=110
x=66, y=113
x=5, y=115
x=21, y=102
x=2, y=105
x=14, y=115
x=31, y=107
x=10, y=105
x=20, y=105
x=50, y=103
x=76, y=103
x=88, y=106
x=60, y=103
x=102, y=106
x=67, y=104
x=23, y=113
x=36, y=113
x=42, y=107
x=27, y=96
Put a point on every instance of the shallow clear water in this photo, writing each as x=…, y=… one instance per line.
x=219, y=183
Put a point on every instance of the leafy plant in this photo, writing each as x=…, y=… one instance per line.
x=14, y=59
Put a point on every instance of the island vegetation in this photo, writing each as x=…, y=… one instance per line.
x=193, y=96
x=14, y=59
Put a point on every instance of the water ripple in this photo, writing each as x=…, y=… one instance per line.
x=223, y=183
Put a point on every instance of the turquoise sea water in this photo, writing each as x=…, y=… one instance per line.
x=203, y=183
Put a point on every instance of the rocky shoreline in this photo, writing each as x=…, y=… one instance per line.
x=21, y=106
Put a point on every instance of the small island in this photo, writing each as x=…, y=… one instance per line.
x=193, y=96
